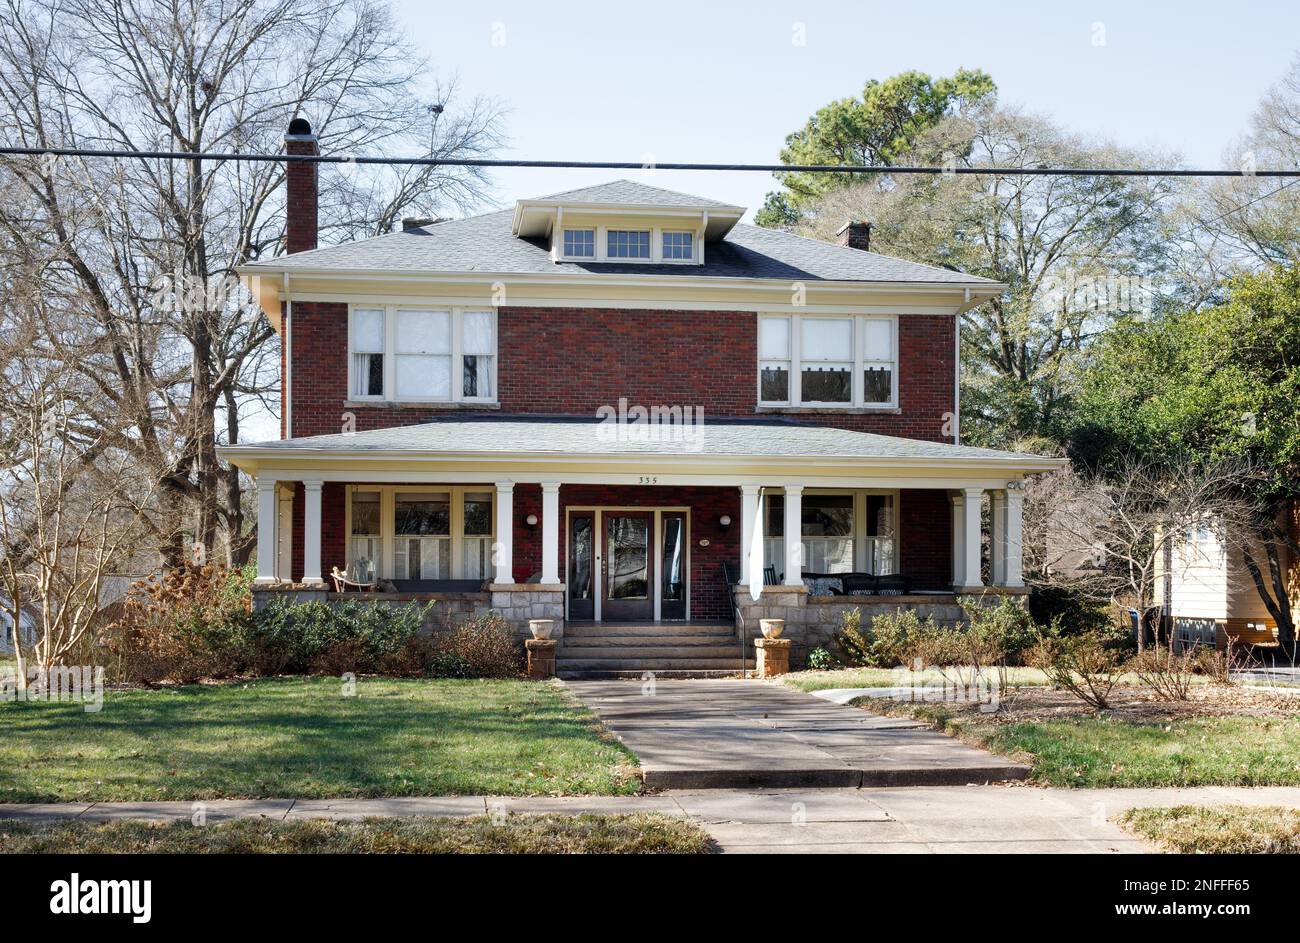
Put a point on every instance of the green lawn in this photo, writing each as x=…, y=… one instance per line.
x=640, y=833
x=299, y=737
x=1223, y=830
x=1104, y=751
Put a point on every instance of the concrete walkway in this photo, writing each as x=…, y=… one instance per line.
x=754, y=734
x=921, y=820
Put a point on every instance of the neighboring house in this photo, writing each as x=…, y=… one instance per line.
x=1203, y=586
x=29, y=620
x=453, y=396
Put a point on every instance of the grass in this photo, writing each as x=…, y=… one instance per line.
x=1110, y=752
x=885, y=678
x=641, y=833
x=1223, y=830
x=299, y=737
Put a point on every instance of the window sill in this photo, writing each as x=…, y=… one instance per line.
x=412, y=404
x=831, y=410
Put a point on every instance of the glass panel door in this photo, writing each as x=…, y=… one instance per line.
x=582, y=589
x=672, y=603
x=628, y=566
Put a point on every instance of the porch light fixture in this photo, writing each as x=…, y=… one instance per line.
x=531, y=521
x=725, y=520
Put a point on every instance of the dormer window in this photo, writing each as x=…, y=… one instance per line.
x=679, y=245
x=580, y=243
x=628, y=244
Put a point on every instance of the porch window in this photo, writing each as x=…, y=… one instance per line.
x=368, y=352
x=434, y=533
x=419, y=355
x=421, y=536
x=843, y=532
x=366, y=536
x=825, y=361
x=477, y=545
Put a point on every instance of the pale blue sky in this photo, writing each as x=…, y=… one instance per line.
x=704, y=81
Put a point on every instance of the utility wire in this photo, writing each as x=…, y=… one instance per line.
x=644, y=165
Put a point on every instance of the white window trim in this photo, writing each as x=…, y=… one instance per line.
x=595, y=243
x=457, y=384
x=656, y=244
x=859, y=363
x=386, y=565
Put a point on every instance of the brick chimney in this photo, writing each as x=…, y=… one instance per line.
x=300, y=188
x=855, y=235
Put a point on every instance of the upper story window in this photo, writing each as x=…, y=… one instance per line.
x=580, y=243
x=628, y=244
x=678, y=245
x=416, y=354
x=827, y=361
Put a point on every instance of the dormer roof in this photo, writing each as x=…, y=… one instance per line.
x=535, y=218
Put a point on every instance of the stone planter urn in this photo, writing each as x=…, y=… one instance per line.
x=771, y=628
x=541, y=628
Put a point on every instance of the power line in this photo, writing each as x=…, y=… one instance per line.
x=643, y=165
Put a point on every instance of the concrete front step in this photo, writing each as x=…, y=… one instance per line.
x=649, y=641
x=568, y=651
x=621, y=629
x=655, y=664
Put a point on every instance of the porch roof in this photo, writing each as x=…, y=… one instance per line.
x=735, y=441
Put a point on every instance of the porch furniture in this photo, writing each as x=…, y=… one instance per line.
x=360, y=577
x=859, y=584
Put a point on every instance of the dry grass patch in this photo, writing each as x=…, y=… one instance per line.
x=640, y=833
x=1219, y=830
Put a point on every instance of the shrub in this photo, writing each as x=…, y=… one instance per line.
x=1169, y=676
x=1004, y=630
x=1069, y=609
x=483, y=647
x=885, y=643
x=821, y=659
x=182, y=626
x=1080, y=664
x=325, y=638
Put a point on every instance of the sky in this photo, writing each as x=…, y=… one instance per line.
x=726, y=82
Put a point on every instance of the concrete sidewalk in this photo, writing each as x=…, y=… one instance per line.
x=754, y=734
x=919, y=820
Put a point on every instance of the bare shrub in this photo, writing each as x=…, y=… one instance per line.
x=1168, y=675
x=1079, y=664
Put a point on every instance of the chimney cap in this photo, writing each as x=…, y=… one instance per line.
x=852, y=223
x=417, y=222
x=300, y=128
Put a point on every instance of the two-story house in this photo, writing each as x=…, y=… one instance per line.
x=585, y=406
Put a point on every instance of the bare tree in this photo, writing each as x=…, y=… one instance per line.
x=142, y=252
x=1074, y=252
x=1110, y=537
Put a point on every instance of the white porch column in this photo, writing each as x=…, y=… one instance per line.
x=550, y=532
x=311, y=533
x=793, y=535
x=1015, y=499
x=503, y=553
x=970, y=541
x=958, y=502
x=998, y=537
x=267, y=512
x=748, y=521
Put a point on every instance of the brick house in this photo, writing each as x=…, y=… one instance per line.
x=584, y=407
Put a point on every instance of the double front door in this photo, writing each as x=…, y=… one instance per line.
x=627, y=564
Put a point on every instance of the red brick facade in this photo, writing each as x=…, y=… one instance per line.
x=572, y=361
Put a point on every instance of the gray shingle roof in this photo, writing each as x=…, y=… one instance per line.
x=517, y=436
x=484, y=244
x=629, y=193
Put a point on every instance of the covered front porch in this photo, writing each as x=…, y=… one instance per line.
x=620, y=533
